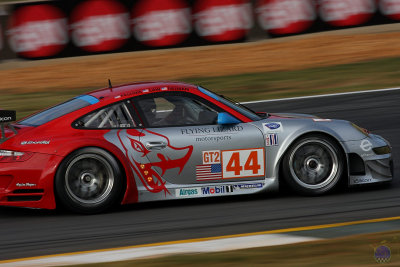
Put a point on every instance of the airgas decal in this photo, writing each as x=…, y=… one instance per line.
x=188, y=192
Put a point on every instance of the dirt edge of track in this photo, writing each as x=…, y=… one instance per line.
x=291, y=53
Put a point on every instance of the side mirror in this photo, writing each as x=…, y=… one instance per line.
x=226, y=118
x=262, y=114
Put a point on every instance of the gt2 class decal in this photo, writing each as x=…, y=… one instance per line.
x=211, y=157
x=272, y=127
x=231, y=164
x=136, y=152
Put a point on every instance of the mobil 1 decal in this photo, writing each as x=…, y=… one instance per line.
x=228, y=164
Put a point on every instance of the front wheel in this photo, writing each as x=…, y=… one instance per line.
x=89, y=181
x=313, y=165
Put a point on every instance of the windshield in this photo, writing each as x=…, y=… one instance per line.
x=59, y=110
x=232, y=104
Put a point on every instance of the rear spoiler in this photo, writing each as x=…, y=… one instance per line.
x=7, y=116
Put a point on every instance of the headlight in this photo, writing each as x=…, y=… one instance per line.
x=362, y=130
x=14, y=156
x=382, y=150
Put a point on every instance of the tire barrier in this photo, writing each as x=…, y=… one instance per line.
x=53, y=29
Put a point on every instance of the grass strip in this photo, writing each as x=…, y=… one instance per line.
x=373, y=74
x=357, y=250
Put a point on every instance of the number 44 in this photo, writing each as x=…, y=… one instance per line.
x=243, y=163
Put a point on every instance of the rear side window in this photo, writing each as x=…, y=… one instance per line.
x=59, y=110
x=111, y=117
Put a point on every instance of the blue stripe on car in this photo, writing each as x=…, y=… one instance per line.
x=88, y=98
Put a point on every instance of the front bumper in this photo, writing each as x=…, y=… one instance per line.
x=366, y=163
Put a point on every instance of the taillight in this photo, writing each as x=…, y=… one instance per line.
x=14, y=156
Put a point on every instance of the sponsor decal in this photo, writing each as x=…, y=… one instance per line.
x=211, y=130
x=161, y=22
x=366, y=145
x=222, y=20
x=271, y=139
x=321, y=120
x=365, y=155
x=100, y=25
x=208, y=172
x=37, y=31
x=7, y=115
x=285, y=16
x=188, y=192
x=390, y=8
x=5, y=119
x=362, y=180
x=215, y=190
x=213, y=138
x=42, y=142
x=248, y=186
x=25, y=185
x=272, y=127
x=346, y=12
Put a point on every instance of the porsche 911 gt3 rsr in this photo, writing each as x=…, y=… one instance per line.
x=168, y=140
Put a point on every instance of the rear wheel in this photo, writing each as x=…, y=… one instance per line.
x=89, y=181
x=313, y=165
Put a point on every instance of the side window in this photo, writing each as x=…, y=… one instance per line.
x=115, y=116
x=176, y=110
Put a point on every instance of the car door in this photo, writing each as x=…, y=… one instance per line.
x=186, y=145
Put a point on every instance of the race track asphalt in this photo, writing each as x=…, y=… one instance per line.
x=26, y=233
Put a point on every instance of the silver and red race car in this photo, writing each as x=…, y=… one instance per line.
x=169, y=140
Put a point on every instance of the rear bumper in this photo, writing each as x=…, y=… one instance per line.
x=29, y=183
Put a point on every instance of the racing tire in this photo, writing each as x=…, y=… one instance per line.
x=89, y=181
x=313, y=165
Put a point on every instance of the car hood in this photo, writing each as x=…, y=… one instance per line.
x=293, y=116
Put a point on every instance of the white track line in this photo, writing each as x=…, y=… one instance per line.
x=326, y=95
x=141, y=252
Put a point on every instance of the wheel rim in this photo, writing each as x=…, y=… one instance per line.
x=89, y=179
x=313, y=164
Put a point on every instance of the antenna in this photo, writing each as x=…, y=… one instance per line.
x=109, y=84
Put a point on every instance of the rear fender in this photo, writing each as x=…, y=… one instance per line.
x=131, y=193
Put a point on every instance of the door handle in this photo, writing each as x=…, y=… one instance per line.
x=155, y=145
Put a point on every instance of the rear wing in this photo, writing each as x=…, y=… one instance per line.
x=6, y=117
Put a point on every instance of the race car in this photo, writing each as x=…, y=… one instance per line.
x=156, y=141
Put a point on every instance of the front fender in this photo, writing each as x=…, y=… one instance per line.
x=292, y=129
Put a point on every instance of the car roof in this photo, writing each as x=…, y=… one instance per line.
x=140, y=88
